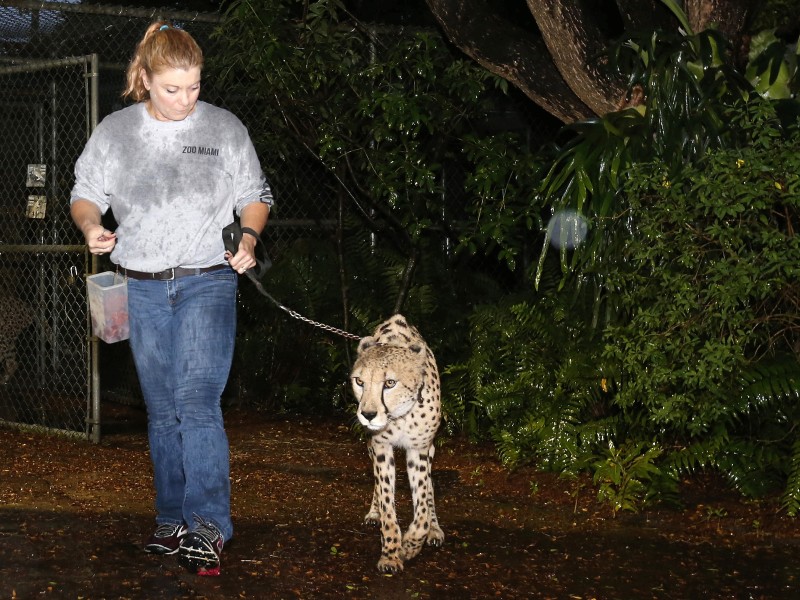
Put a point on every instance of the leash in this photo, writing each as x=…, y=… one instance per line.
x=231, y=236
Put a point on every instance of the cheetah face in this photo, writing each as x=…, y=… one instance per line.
x=386, y=382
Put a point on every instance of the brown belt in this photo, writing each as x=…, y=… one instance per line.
x=170, y=274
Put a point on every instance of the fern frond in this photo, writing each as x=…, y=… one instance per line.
x=790, y=499
x=769, y=381
x=699, y=454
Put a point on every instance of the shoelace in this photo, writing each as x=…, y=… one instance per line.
x=166, y=530
x=207, y=529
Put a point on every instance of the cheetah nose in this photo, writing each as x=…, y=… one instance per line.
x=369, y=415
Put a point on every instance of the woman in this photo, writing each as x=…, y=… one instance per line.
x=173, y=170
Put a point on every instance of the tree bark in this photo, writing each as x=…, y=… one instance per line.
x=645, y=15
x=578, y=47
x=728, y=16
x=511, y=52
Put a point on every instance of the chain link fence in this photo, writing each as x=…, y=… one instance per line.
x=43, y=339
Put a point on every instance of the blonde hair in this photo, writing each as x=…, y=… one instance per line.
x=162, y=47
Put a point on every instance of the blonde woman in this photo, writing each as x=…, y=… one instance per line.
x=173, y=170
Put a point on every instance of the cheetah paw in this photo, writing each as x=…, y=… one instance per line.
x=390, y=565
x=411, y=547
x=435, y=537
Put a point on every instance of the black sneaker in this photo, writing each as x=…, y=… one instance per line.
x=166, y=539
x=200, y=549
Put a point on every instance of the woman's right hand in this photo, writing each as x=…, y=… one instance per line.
x=87, y=217
x=99, y=239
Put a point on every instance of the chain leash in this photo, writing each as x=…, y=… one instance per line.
x=294, y=314
x=231, y=237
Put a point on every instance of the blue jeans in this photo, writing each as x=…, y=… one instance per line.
x=182, y=335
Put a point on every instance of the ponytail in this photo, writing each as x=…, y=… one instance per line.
x=163, y=46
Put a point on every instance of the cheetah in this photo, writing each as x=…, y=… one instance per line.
x=396, y=383
x=15, y=317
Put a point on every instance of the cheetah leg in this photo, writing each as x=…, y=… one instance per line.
x=373, y=517
x=435, y=534
x=419, y=477
x=391, y=535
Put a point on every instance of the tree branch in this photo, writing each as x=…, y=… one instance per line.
x=511, y=52
x=577, y=47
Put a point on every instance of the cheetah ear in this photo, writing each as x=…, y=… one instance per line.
x=366, y=342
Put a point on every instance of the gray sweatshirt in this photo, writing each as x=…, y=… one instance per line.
x=172, y=185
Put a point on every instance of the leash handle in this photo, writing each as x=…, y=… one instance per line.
x=232, y=235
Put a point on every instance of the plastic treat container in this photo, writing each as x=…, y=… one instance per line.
x=108, y=305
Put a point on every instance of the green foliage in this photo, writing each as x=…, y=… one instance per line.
x=772, y=68
x=775, y=14
x=378, y=111
x=687, y=284
x=791, y=495
x=501, y=179
x=539, y=391
x=684, y=85
x=711, y=273
x=625, y=476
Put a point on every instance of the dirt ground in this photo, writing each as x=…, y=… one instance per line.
x=74, y=516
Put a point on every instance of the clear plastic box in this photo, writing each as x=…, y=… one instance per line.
x=108, y=305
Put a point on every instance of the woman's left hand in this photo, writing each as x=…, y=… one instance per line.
x=254, y=216
x=245, y=257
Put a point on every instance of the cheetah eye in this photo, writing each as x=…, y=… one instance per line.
x=389, y=384
x=359, y=381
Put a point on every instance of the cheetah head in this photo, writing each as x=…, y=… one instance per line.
x=387, y=381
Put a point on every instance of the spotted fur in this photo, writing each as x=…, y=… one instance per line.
x=15, y=317
x=396, y=383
